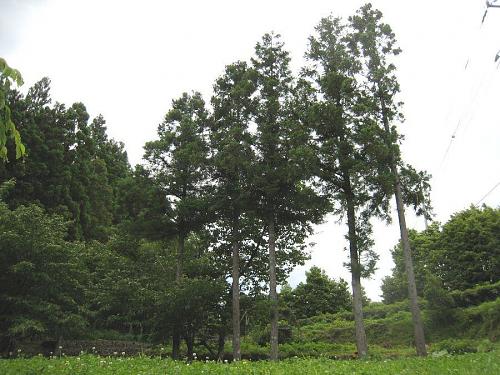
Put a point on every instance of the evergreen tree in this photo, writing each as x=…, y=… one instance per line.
x=44, y=176
x=284, y=155
x=376, y=43
x=233, y=158
x=71, y=167
x=348, y=145
x=178, y=161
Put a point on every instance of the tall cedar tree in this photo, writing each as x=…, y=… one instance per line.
x=178, y=161
x=71, y=167
x=284, y=154
x=347, y=145
x=376, y=43
x=231, y=143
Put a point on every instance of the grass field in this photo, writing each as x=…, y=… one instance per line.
x=476, y=363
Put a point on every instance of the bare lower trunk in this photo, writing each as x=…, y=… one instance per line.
x=272, y=291
x=176, y=343
x=220, y=344
x=59, y=346
x=357, y=304
x=179, y=258
x=412, y=288
x=236, y=302
x=190, y=344
x=176, y=335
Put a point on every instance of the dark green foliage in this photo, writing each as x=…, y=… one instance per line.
x=477, y=295
x=286, y=202
x=42, y=283
x=71, y=167
x=90, y=247
x=463, y=253
x=349, y=145
x=481, y=321
x=231, y=145
x=319, y=295
x=118, y=294
x=469, y=248
x=142, y=209
x=374, y=41
x=440, y=303
x=285, y=153
x=178, y=162
x=394, y=287
x=454, y=346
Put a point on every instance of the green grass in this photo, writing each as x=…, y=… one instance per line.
x=470, y=364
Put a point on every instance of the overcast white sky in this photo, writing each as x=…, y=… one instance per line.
x=129, y=59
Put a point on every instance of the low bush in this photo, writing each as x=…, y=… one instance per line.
x=477, y=295
x=455, y=346
x=482, y=320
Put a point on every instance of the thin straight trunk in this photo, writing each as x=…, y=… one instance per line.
x=357, y=302
x=220, y=344
x=180, y=257
x=190, y=344
x=176, y=343
x=412, y=288
x=272, y=291
x=176, y=335
x=236, y=301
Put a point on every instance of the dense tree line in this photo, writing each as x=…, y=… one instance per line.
x=457, y=255
x=228, y=192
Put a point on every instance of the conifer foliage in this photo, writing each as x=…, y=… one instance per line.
x=194, y=244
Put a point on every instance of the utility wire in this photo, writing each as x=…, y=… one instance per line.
x=488, y=193
x=469, y=108
x=449, y=146
x=483, y=87
x=489, y=4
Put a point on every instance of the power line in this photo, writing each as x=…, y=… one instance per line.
x=489, y=4
x=470, y=107
x=449, y=146
x=488, y=193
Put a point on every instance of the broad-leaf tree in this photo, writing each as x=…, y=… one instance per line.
x=8, y=130
x=461, y=253
x=41, y=281
x=320, y=295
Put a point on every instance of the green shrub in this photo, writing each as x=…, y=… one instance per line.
x=440, y=308
x=455, y=346
x=482, y=320
x=485, y=346
x=477, y=295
